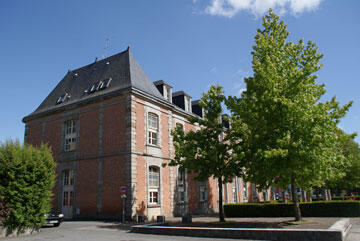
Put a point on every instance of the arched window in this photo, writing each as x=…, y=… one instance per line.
x=154, y=184
x=153, y=129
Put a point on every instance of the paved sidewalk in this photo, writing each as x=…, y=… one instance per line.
x=354, y=234
x=285, y=223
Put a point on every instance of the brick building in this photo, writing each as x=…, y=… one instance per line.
x=109, y=126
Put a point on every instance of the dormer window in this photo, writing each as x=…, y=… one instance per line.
x=62, y=98
x=100, y=85
x=182, y=100
x=169, y=95
x=94, y=87
x=187, y=103
x=165, y=89
x=104, y=84
x=196, y=108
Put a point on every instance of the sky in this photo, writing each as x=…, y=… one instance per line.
x=190, y=44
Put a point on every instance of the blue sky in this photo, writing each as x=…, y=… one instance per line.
x=190, y=44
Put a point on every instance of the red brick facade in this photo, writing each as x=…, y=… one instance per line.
x=112, y=149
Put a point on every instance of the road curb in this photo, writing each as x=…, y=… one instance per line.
x=6, y=233
x=337, y=232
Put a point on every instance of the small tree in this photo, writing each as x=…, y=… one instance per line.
x=206, y=152
x=27, y=177
x=290, y=136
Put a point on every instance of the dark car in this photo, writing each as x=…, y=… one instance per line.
x=55, y=218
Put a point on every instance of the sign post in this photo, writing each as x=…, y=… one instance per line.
x=123, y=196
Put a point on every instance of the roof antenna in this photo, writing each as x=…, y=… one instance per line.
x=107, y=41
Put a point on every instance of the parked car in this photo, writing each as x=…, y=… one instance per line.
x=55, y=218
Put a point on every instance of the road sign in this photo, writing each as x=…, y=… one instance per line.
x=123, y=189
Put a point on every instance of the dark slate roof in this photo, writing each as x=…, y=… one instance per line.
x=124, y=71
x=161, y=82
x=179, y=93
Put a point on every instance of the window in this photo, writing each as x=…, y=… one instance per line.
x=181, y=186
x=203, y=193
x=68, y=177
x=68, y=182
x=68, y=198
x=154, y=184
x=104, y=84
x=168, y=91
x=245, y=191
x=94, y=87
x=70, y=135
x=181, y=126
x=234, y=193
x=153, y=129
x=62, y=98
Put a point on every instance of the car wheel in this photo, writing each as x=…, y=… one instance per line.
x=56, y=224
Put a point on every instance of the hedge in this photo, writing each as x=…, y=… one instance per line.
x=27, y=176
x=354, y=197
x=311, y=209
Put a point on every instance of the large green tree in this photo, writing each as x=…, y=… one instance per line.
x=206, y=151
x=27, y=177
x=351, y=168
x=281, y=130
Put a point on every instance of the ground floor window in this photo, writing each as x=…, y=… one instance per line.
x=68, y=197
x=154, y=184
x=203, y=192
x=153, y=196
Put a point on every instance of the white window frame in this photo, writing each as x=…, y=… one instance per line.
x=154, y=185
x=153, y=128
x=70, y=135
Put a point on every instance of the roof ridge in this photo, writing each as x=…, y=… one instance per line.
x=100, y=61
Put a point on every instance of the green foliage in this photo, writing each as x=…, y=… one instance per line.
x=205, y=151
x=351, y=168
x=27, y=175
x=4, y=211
x=314, y=209
x=281, y=130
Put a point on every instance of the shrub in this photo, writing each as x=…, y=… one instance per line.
x=313, y=209
x=27, y=177
x=4, y=211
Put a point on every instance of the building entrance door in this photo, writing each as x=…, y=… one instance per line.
x=68, y=193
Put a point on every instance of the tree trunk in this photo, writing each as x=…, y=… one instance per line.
x=303, y=195
x=329, y=194
x=297, y=212
x=309, y=195
x=221, y=210
x=325, y=194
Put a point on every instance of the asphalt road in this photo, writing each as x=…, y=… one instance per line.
x=97, y=231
